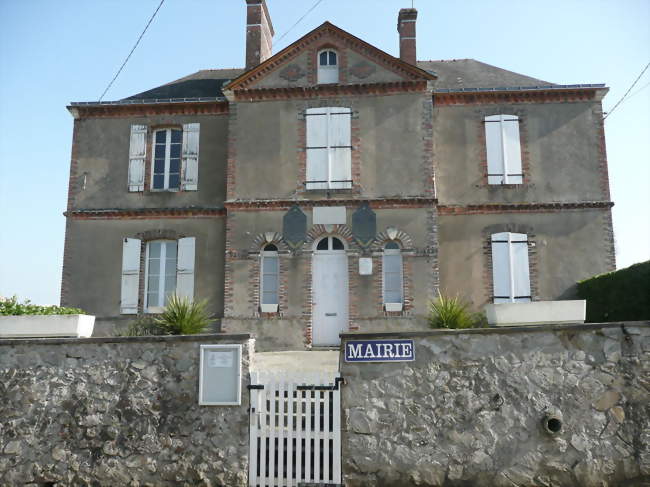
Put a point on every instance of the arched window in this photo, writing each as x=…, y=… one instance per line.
x=328, y=67
x=330, y=243
x=269, y=279
x=392, y=277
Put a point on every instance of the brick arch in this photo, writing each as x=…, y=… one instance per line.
x=393, y=234
x=318, y=231
x=263, y=239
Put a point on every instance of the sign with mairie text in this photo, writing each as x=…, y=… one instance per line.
x=379, y=351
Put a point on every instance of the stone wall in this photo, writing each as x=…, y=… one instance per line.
x=469, y=410
x=117, y=411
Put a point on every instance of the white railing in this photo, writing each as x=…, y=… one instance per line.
x=295, y=429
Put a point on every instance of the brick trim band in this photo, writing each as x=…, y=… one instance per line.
x=145, y=213
x=148, y=109
x=521, y=207
x=303, y=92
x=286, y=204
x=549, y=96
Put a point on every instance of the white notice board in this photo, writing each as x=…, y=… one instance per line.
x=220, y=375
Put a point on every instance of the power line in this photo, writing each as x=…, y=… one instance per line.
x=298, y=21
x=637, y=91
x=628, y=90
x=129, y=56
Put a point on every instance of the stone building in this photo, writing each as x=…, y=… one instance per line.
x=332, y=187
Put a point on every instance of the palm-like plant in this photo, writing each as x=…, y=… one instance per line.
x=184, y=317
x=446, y=312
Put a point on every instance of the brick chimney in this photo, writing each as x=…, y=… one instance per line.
x=406, y=28
x=259, y=33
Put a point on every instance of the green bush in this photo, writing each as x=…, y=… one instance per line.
x=180, y=317
x=141, y=326
x=622, y=295
x=184, y=317
x=446, y=312
x=11, y=307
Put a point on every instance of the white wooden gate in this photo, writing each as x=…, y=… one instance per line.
x=295, y=429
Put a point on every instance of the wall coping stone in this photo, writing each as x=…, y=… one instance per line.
x=496, y=330
x=210, y=337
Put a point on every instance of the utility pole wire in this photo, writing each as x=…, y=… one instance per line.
x=298, y=21
x=626, y=93
x=129, y=56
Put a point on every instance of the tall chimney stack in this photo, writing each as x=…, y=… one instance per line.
x=259, y=33
x=406, y=28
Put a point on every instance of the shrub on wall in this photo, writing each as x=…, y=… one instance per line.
x=180, y=317
x=11, y=307
x=184, y=317
x=623, y=295
x=446, y=312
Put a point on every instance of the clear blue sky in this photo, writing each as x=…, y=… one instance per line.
x=54, y=52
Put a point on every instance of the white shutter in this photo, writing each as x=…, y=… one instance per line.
x=190, y=156
x=130, y=276
x=494, y=149
x=510, y=270
x=137, y=154
x=339, y=127
x=500, y=268
x=185, y=268
x=316, y=122
x=340, y=168
x=339, y=138
x=511, y=149
x=520, y=269
x=317, y=151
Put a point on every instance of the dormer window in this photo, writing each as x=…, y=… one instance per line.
x=328, y=67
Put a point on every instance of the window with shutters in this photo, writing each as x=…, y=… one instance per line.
x=168, y=269
x=160, y=273
x=510, y=269
x=166, y=167
x=269, y=279
x=328, y=67
x=329, y=148
x=503, y=149
x=392, y=278
x=174, y=160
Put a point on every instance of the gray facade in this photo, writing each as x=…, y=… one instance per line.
x=416, y=173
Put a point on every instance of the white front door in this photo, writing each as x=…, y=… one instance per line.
x=329, y=292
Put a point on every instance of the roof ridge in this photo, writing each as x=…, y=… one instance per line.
x=445, y=60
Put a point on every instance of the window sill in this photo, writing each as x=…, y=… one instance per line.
x=393, y=307
x=324, y=192
x=154, y=310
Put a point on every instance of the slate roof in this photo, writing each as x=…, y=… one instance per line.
x=452, y=74
x=202, y=84
x=470, y=73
